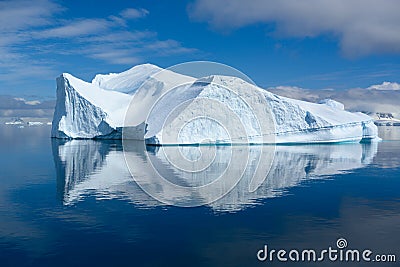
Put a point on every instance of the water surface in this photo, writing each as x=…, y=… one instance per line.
x=75, y=203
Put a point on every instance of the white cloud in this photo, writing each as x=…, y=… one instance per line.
x=169, y=47
x=115, y=56
x=33, y=102
x=82, y=27
x=296, y=93
x=18, y=15
x=356, y=99
x=133, y=13
x=362, y=26
x=17, y=20
x=123, y=36
x=117, y=20
x=20, y=107
x=34, y=33
x=385, y=86
x=28, y=102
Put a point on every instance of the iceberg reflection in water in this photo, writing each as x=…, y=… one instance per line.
x=89, y=168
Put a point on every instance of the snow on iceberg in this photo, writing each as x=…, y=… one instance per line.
x=332, y=103
x=156, y=105
x=128, y=81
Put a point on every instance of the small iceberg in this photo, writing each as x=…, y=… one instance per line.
x=34, y=123
x=16, y=121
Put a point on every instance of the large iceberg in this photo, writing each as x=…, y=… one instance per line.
x=156, y=105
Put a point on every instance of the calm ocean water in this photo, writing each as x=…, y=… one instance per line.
x=74, y=203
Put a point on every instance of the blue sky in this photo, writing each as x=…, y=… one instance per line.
x=311, y=44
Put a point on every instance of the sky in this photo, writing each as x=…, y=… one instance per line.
x=313, y=44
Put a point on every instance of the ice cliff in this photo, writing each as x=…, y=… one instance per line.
x=242, y=113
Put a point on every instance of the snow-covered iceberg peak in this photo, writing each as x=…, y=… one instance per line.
x=165, y=107
x=128, y=81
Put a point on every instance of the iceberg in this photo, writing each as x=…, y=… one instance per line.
x=159, y=106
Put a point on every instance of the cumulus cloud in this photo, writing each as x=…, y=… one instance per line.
x=362, y=27
x=356, y=99
x=20, y=107
x=28, y=102
x=385, y=86
x=296, y=93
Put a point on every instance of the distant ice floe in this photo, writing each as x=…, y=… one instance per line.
x=21, y=123
x=16, y=121
x=34, y=123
